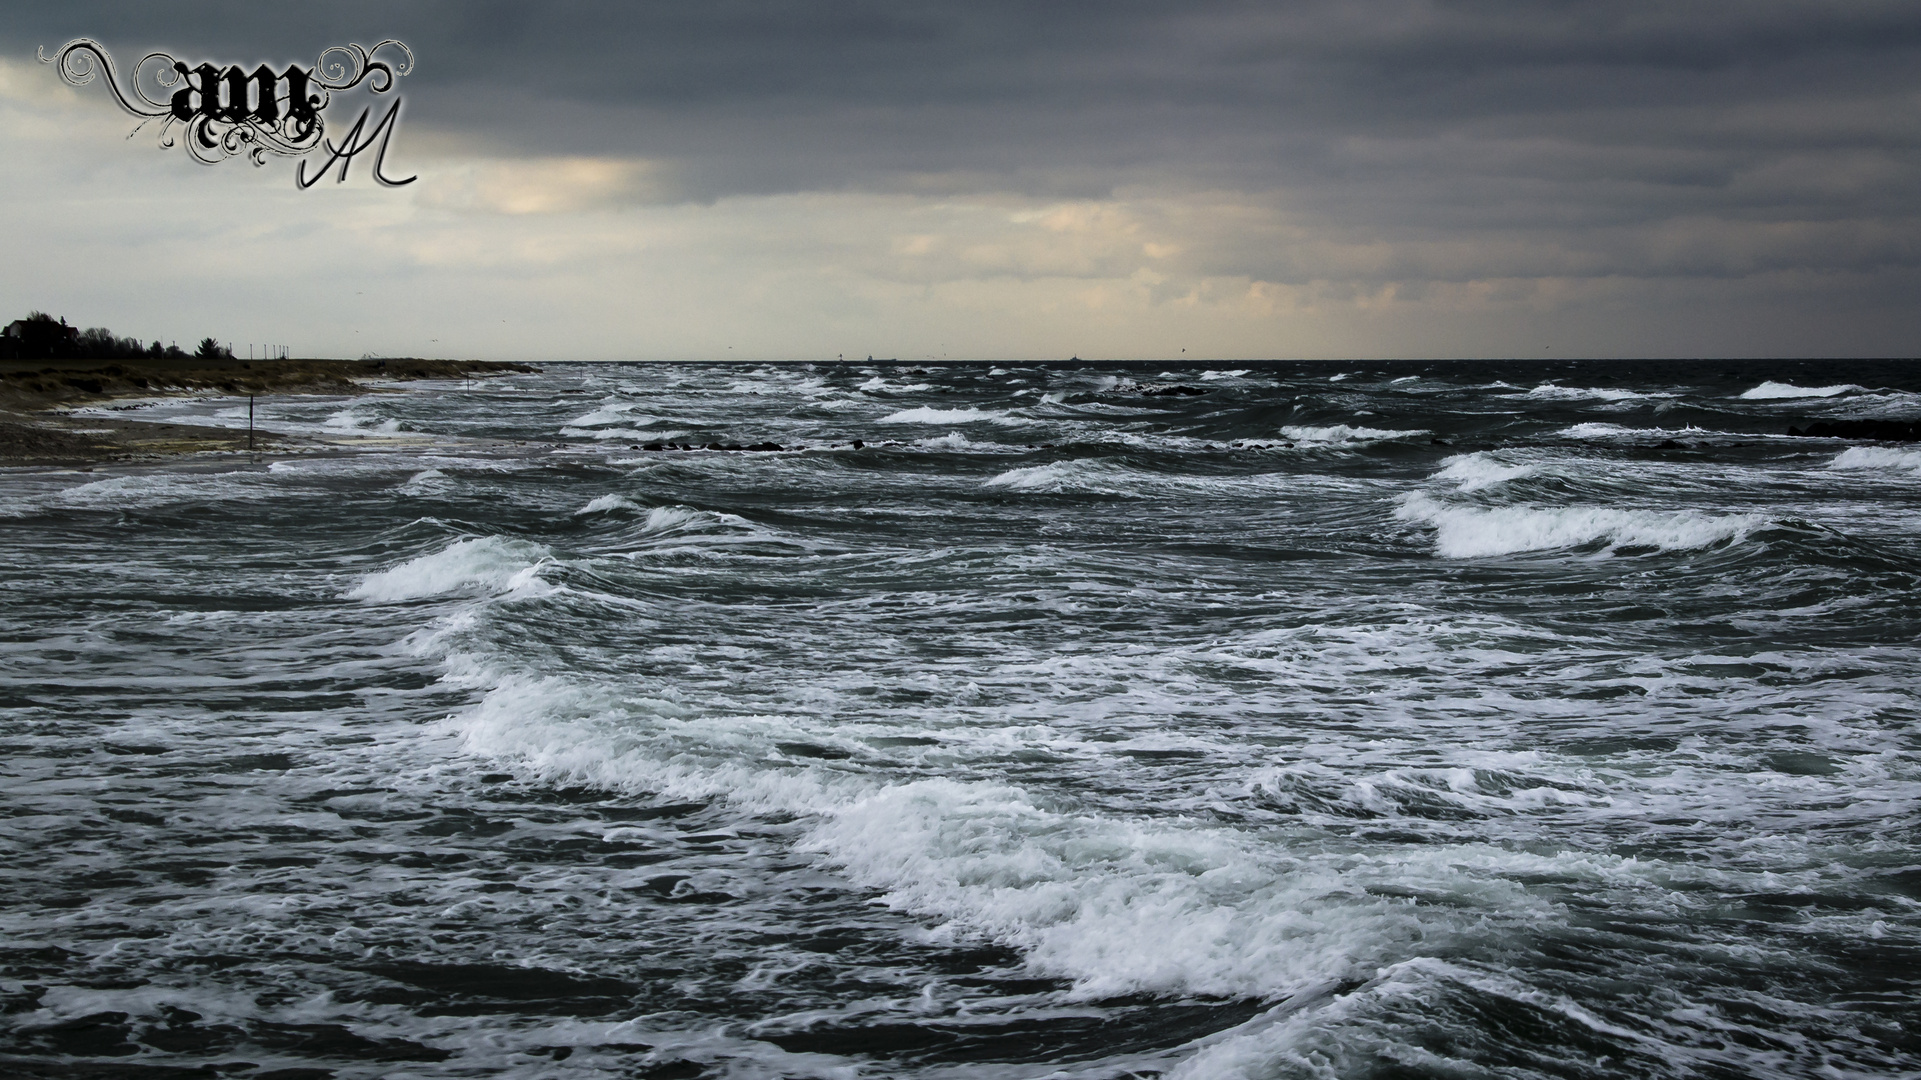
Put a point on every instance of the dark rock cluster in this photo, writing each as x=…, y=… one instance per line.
x=1888, y=430
x=761, y=446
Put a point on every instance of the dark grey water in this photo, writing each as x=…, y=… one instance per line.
x=1342, y=721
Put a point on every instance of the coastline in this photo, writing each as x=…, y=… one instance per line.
x=37, y=396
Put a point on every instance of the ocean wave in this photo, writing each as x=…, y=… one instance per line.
x=1553, y=392
x=1325, y=1031
x=1115, y=904
x=1465, y=532
x=352, y=420
x=1315, y=790
x=927, y=414
x=1339, y=434
x=1081, y=475
x=609, y=433
x=663, y=519
x=1099, y=477
x=1617, y=433
x=490, y=563
x=147, y=491
x=1776, y=391
x=1878, y=457
x=679, y=532
x=954, y=441
x=1473, y=472
x=424, y=482
x=607, y=504
x=1118, y=906
x=611, y=413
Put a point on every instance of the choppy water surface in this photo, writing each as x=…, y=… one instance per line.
x=1344, y=720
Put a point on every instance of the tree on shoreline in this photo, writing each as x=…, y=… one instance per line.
x=41, y=336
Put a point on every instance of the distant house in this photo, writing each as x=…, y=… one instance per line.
x=38, y=337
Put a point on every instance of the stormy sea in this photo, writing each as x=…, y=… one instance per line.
x=1249, y=720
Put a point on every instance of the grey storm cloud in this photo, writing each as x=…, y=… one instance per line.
x=1392, y=140
x=800, y=95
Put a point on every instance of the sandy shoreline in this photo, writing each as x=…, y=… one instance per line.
x=36, y=396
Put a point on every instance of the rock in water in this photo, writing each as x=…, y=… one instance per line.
x=1888, y=430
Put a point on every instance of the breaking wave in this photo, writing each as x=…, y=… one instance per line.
x=1776, y=391
x=1473, y=472
x=1878, y=457
x=1468, y=532
x=927, y=414
x=487, y=563
x=1339, y=434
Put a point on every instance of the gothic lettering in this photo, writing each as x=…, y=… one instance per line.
x=231, y=112
x=352, y=145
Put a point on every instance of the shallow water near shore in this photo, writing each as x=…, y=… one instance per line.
x=1344, y=720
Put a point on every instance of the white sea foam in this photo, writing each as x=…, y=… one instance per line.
x=490, y=563
x=1319, y=1033
x=878, y=384
x=1310, y=788
x=1118, y=905
x=351, y=420
x=611, y=433
x=1617, y=433
x=668, y=518
x=1338, y=434
x=954, y=440
x=1056, y=476
x=148, y=490
x=1553, y=392
x=1775, y=391
x=1608, y=432
x=1466, y=532
x=1210, y=376
x=612, y=413
x=424, y=481
x=929, y=415
x=1473, y=472
x=607, y=504
x=1099, y=477
x=1878, y=457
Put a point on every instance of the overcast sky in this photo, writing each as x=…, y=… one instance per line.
x=1363, y=178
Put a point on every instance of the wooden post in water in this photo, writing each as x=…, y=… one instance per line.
x=250, y=421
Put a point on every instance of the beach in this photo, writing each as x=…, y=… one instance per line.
x=39, y=399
